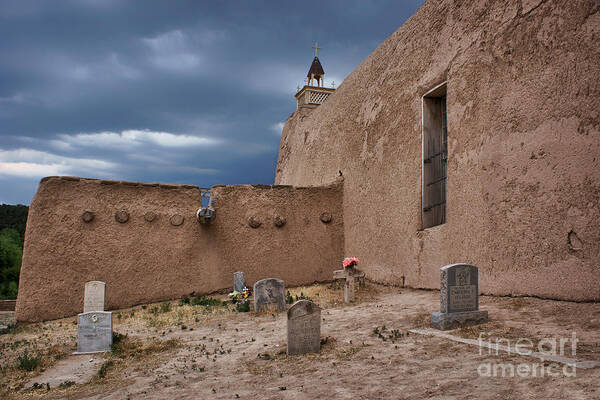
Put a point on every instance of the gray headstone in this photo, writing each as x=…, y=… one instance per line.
x=459, y=298
x=239, y=282
x=445, y=321
x=93, y=297
x=269, y=295
x=94, y=332
x=303, y=328
x=459, y=288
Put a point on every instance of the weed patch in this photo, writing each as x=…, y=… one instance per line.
x=243, y=307
x=27, y=363
x=290, y=299
x=105, y=368
x=207, y=302
x=165, y=307
x=385, y=334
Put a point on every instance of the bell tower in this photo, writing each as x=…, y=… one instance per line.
x=314, y=92
x=316, y=72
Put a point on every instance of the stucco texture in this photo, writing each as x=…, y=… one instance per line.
x=143, y=261
x=523, y=185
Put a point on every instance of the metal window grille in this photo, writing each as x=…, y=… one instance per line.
x=435, y=156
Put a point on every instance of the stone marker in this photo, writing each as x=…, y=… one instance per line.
x=303, y=328
x=239, y=283
x=94, y=332
x=459, y=298
x=269, y=295
x=93, y=297
x=350, y=275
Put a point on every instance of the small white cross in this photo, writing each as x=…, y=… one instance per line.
x=349, y=274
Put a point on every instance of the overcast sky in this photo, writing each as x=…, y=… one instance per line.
x=171, y=91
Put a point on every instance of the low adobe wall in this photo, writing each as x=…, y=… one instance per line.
x=143, y=261
x=7, y=305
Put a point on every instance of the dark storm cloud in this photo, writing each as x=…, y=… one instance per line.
x=173, y=91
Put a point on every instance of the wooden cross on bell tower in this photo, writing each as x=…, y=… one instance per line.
x=316, y=71
x=316, y=47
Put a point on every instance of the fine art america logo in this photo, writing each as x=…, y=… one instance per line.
x=547, y=351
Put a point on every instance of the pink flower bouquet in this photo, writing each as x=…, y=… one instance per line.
x=350, y=262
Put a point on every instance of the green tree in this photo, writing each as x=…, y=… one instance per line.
x=11, y=253
x=14, y=217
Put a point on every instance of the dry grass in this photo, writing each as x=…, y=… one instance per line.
x=278, y=362
x=258, y=368
x=346, y=351
x=127, y=352
x=324, y=296
x=51, y=341
x=332, y=294
x=419, y=320
x=13, y=376
x=357, y=348
x=473, y=332
x=495, y=330
x=518, y=303
x=510, y=303
x=180, y=315
x=130, y=351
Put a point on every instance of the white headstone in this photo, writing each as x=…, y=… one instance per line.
x=93, y=298
x=94, y=332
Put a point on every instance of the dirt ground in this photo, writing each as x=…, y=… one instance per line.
x=212, y=352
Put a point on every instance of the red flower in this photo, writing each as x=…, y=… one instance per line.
x=349, y=262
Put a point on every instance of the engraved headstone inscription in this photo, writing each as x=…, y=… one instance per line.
x=461, y=288
x=303, y=328
x=459, y=298
x=239, y=282
x=94, y=332
x=269, y=295
x=93, y=297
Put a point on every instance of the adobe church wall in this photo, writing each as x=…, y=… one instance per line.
x=523, y=185
x=144, y=261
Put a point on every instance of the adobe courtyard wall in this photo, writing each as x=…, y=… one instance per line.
x=145, y=261
x=523, y=183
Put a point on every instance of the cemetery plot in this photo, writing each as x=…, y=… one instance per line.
x=208, y=350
